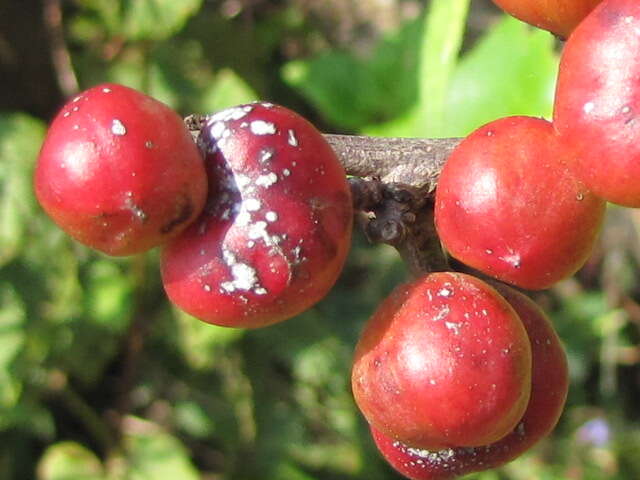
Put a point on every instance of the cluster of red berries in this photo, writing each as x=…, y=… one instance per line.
x=454, y=375
x=522, y=200
x=254, y=234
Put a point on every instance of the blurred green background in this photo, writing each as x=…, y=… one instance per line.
x=101, y=379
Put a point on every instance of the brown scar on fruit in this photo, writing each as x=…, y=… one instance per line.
x=184, y=211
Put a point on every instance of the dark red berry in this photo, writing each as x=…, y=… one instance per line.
x=119, y=172
x=277, y=226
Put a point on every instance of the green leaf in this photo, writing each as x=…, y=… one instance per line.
x=200, y=341
x=12, y=336
x=495, y=79
x=155, y=455
x=20, y=140
x=69, y=461
x=144, y=19
x=353, y=91
x=440, y=47
x=228, y=90
x=444, y=27
x=108, y=293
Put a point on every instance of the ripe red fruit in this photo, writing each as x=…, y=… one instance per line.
x=557, y=16
x=119, y=172
x=549, y=384
x=507, y=205
x=443, y=362
x=598, y=101
x=277, y=226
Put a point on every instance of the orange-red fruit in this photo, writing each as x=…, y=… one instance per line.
x=507, y=204
x=598, y=101
x=444, y=362
x=549, y=385
x=276, y=230
x=119, y=172
x=557, y=16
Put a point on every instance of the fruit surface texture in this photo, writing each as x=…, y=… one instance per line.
x=119, y=171
x=557, y=16
x=508, y=205
x=445, y=361
x=549, y=385
x=277, y=226
x=598, y=101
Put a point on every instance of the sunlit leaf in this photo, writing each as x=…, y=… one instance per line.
x=144, y=19
x=69, y=461
x=228, y=90
x=152, y=454
x=511, y=71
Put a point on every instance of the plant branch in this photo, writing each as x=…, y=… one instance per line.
x=61, y=59
x=411, y=161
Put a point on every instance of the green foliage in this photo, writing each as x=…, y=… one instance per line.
x=89, y=346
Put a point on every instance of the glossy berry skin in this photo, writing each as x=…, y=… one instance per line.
x=119, y=172
x=443, y=362
x=507, y=205
x=557, y=16
x=550, y=380
x=277, y=226
x=598, y=101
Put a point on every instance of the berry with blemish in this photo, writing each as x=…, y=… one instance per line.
x=444, y=362
x=549, y=386
x=277, y=225
x=119, y=172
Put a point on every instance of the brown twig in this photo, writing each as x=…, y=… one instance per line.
x=415, y=162
x=67, y=80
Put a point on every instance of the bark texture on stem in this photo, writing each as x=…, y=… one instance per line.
x=411, y=161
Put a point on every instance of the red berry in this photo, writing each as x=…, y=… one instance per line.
x=549, y=384
x=119, y=172
x=443, y=362
x=277, y=226
x=508, y=206
x=557, y=16
x=598, y=101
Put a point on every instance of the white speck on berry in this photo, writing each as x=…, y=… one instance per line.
x=266, y=154
x=271, y=216
x=292, y=139
x=588, y=107
x=260, y=127
x=118, y=128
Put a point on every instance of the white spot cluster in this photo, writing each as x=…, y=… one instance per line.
x=267, y=180
x=453, y=326
x=442, y=313
x=229, y=114
x=244, y=277
x=241, y=197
